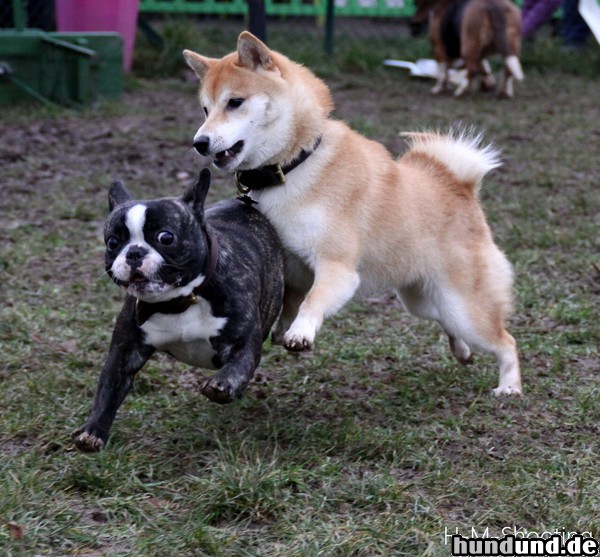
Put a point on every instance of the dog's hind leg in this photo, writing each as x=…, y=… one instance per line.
x=470, y=319
x=508, y=360
x=474, y=68
x=442, y=78
x=460, y=349
x=512, y=71
x=507, y=86
x=488, y=83
x=477, y=320
x=464, y=85
x=419, y=301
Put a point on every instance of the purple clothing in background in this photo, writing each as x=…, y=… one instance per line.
x=535, y=13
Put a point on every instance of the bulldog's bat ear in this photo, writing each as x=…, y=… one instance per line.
x=117, y=195
x=253, y=53
x=196, y=194
x=200, y=64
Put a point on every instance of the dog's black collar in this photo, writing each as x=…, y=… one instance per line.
x=271, y=175
x=145, y=310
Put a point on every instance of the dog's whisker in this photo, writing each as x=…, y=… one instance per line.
x=102, y=275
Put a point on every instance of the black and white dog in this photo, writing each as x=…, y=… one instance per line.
x=206, y=288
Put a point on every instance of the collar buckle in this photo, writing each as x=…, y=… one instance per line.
x=270, y=175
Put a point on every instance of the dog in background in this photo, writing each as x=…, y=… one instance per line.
x=470, y=31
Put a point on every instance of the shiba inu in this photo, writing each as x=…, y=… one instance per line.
x=350, y=217
x=470, y=31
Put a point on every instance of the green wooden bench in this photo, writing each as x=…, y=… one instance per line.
x=70, y=69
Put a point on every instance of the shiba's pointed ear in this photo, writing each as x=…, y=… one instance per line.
x=195, y=196
x=200, y=64
x=117, y=194
x=253, y=53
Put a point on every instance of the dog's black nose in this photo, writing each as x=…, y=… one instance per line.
x=201, y=145
x=135, y=254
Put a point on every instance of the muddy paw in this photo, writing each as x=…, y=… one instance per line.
x=296, y=344
x=301, y=334
x=218, y=390
x=87, y=442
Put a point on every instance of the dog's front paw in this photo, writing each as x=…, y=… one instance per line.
x=300, y=336
x=87, y=442
x=297, y=344
x=507, y=390
x=218, y=390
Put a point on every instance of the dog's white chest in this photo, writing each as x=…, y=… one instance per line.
x=186, y=335
x=300, y=230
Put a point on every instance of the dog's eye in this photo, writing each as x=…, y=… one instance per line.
x=234, y=103
x=112, y=243
x=165, y=238
x=205, y=111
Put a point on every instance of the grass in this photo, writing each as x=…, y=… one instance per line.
x=376, y=444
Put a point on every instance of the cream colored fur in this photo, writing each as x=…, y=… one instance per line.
x=352, y=218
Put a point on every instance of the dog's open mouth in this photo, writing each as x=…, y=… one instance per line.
x=145, y=288
x=139, y=283
x=223, y=158
x=137, y=279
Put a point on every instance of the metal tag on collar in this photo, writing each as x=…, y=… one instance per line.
x=240, y=187
x=280, y=175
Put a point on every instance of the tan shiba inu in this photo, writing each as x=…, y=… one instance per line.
x=350, y=217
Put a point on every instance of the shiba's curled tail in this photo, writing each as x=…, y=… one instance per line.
x=462, y=152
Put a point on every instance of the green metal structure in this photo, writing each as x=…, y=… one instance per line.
x=71, y=69
x=316, y=8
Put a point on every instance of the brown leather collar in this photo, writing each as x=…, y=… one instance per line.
x=145, y=310
x=270, y=175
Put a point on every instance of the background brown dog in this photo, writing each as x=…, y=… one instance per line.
x=472, y=30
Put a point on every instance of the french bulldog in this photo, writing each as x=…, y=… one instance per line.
x=203, y=286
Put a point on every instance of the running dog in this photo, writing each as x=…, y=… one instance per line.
x=203, y=286
x=350, y=217
x=469, y=31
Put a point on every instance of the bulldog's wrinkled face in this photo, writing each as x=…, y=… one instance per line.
x=154, y=249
